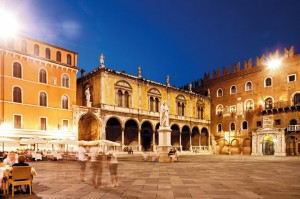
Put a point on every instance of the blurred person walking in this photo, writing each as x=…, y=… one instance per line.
x=112, y=162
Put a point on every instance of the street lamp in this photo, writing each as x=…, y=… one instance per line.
x=274, y=63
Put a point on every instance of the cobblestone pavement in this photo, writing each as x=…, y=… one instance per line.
x=191, y=177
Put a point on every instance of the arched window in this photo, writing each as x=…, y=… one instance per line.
x=219, y=92
x=36, y=50
x=245, y=125
x=151, y=103
x=69, y=60
x=293, y=122
x=233, y=89
x=269, y=103
x=43, y=99
x=200, y=111
x=120, y=96
x=156, y=104
x=297, y=99
x=17, y=95
x=65, y=81
x=219, y=110
x=58, y=56
x=248, y=86
x=17, y=70
x=24, y=46
x=219, y=128
x=232, y=126
x=249, y=105
x=43, y=76
x=268, y=82
x=179, y=108
x=48, y=53
x=126, y=99
x=65, y=102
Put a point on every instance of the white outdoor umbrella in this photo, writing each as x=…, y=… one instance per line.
x=7, y=140
x=35, y=140
x=108, y=143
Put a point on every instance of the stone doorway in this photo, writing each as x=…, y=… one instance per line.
x=88, y=127
x=268, y=145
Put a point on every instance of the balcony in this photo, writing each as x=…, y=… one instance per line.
x=293, y=128
x=278, y=107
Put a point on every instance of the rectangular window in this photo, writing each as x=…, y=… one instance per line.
x=291, y=78
x=277, y=122
x=17, y=121
x=43, y=123
x=65, y=123
x=258, y=123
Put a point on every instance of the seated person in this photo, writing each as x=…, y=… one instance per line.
x=11, y=159
x=21, y=161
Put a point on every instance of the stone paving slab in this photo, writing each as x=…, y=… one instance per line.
x=232, y=177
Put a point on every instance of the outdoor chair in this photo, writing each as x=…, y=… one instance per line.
x=21, y=175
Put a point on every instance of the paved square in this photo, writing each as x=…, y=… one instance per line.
x=191, y=177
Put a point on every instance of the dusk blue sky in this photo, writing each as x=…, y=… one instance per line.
x=182, y=38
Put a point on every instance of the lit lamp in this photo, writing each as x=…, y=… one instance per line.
x=274, y=63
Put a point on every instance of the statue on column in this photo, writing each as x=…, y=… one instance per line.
x=102, y=61
x=88, y=95
x=168, y=80
x=164, y=115
x=139, y=72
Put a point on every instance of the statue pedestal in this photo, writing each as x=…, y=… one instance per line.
x=89, y=104
x=164, y=144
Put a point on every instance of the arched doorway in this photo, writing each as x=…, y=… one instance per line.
x=175, y=134
x=268, y=145
x=131, y=134
x=146, y=136
x=224, y=146
x=88, y=128
x=185, y=138
x=235, y=147
x=247, y=146
x=204, y=137
x=195, y=137
x=291, y=148
x=113, y=130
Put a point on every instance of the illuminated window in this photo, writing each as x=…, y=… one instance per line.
x=17, y=95
x=219, y=110
x=269, y=103
x=17, y=70
x=249, y=105
x=65, y=81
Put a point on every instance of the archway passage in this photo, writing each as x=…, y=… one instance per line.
x=131, y=133
x=88, y=128
x=146, y=136
x=235, y=147
x=268, y=146
x=195, y=137
x=185, y=138
x=204, y=137
x=113, y=130
x=175, y=134
x=292, y=146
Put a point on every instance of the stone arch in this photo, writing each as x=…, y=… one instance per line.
x=146, y=136
x=185, y=138
x=113, y=130
x=131, y=132
x=235, y=147
x=247, y=145
x=175, y=135
x=224, y=146
x=204, y=137
x=195, y=136
x=88, y=127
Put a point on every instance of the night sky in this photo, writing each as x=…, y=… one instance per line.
x=182, y=38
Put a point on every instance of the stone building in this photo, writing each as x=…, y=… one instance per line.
x=125, y=108
x=255, y=109
x=37, y=88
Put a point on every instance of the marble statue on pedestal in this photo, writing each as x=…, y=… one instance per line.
x=88, y=95
x=164, y=115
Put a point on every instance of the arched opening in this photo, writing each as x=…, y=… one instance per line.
x=88, y=128
x=204, y=137
x=268, y=145
x=195, y=137
x=185, y=138
x=224, y=146
x=146, y=136
x=156, y=134
x=175, y=134
x=235, y=147
x=247, y=146
x=291, y=146
x=113, y=130
x=131, y=134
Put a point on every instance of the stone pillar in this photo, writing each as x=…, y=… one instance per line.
x=123, y=137
x=164, y=145
x=139, y=140
x=180, y=142
x=191, y=142
x=153, y=141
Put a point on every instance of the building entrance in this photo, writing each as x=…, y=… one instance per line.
x=268, y=146
x=88, y=128
x=146, y=136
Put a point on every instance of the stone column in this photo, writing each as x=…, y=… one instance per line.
x=153, y=141
x=123, y=137
x=180, y=141
x=191, y=142
x=139, y=140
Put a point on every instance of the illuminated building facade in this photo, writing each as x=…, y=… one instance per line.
x=255, y=109
x=125, y=108
x=38, y=88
